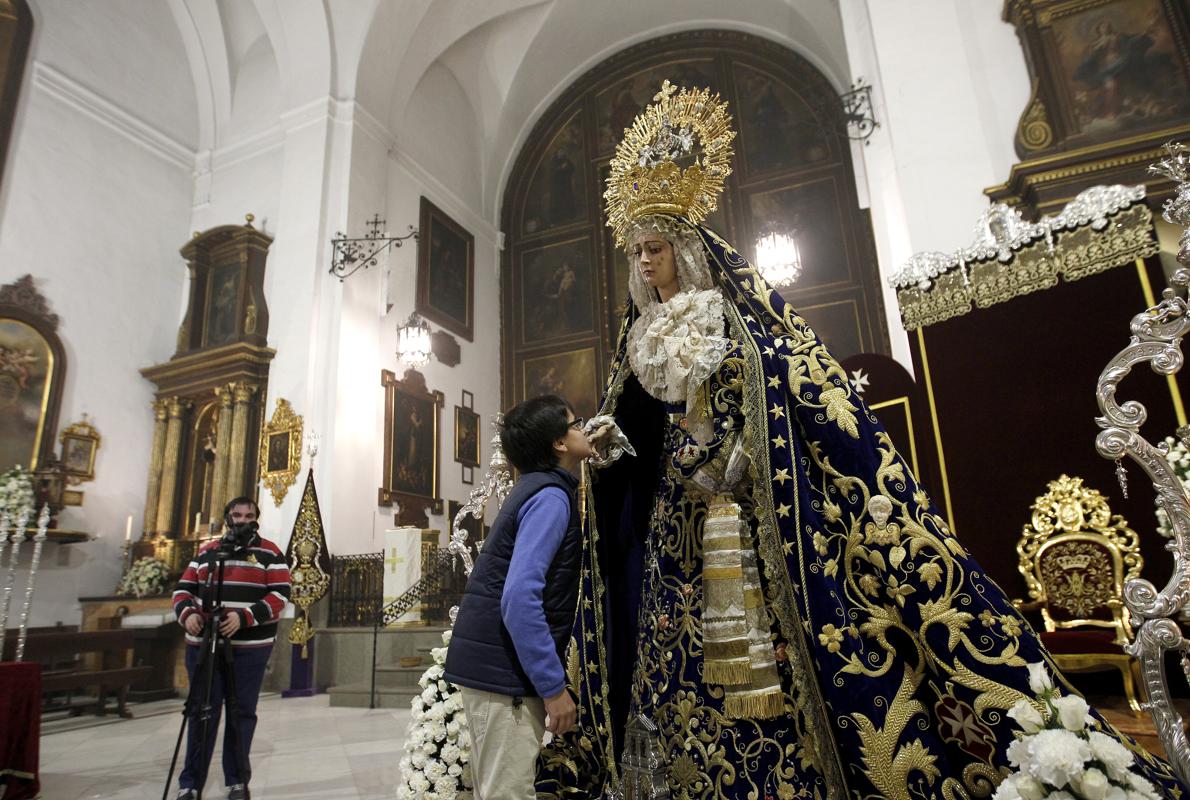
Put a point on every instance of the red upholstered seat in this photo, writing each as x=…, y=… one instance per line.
x=1080, y=641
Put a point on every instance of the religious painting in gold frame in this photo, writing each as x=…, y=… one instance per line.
x=445, y=271
x=570, y=375
x=412, y=421
x=80, y=443
x=467, y=431
x=281, y=450
x=32, y=371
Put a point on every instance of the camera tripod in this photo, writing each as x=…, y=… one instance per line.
x=215, y=654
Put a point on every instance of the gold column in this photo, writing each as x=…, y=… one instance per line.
x=155, y=456
x=171, y=461
x=239, y=440
x=222, y=444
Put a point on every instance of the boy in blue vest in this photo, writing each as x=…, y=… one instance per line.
x=509, y=642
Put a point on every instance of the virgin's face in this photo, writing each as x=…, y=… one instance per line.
x=655, y=260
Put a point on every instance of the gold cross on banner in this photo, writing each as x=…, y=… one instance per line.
x=393, y=560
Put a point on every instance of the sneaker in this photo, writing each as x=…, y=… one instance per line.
x=186, y=794
x=238, y=792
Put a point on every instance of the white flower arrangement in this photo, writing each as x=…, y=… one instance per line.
x=1060, y=755
x=148, y=576
x=1178, y=457
x=16, y=494
x=436, y=765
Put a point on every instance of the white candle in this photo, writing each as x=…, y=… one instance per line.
x=197, y=520
x=128, y=529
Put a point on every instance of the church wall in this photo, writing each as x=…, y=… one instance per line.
x=949, y=83
x=97, y=219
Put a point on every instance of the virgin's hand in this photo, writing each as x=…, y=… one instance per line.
x=599, y=437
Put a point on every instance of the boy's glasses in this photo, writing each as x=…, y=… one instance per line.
x=577, y=423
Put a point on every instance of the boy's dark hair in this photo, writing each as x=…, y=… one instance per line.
x=530, y=429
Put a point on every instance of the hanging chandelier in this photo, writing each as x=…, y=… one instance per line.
x=778, y=259
x=413, y=342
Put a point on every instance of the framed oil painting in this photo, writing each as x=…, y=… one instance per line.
x=445, y=272
x=80, y=443
x=558, y=192
x=412, y=420
x=32, y=370
x=1121, y=66
x=557, y=292
x=466, y=436
x=281, y=450
x=223, y=295
x=571, y=375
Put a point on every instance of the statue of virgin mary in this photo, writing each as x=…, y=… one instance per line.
x=765, y=584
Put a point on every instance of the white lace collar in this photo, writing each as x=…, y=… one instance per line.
x=675, y=346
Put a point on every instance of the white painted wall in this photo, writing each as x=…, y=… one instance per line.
x=95, y=207
x=949, y=83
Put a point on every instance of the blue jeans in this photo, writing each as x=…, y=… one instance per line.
x=248, y=667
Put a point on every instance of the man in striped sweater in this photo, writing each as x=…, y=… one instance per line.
x=255, y=591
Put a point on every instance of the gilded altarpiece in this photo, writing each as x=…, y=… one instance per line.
x=210, y=396
x=564, y=283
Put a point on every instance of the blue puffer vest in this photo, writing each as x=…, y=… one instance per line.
x=482, y=654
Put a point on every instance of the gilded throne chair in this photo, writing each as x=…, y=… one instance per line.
x=1075, y=556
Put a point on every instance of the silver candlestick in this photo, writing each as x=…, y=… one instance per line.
x=43, y=523
x=497, y=483
x=16, y=537
x=1157, y=335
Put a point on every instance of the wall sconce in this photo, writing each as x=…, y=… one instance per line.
x=348, y=256
x=778, y=259
x=413, y=342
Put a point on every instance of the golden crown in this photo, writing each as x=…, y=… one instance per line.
x=645, y=176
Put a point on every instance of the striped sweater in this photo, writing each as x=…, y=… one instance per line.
x=255, y=586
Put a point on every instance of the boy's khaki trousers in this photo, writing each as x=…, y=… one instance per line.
x=505, y=742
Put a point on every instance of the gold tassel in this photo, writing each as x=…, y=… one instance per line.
x=768, y=704
x=737, y=672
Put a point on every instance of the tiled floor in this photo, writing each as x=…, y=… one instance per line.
x=303, y=749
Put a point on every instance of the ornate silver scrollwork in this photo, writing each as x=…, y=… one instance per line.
x=496, y=484
x=1156, y=339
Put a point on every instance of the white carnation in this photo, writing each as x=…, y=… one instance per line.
x=1056, y=756
x=1139, y=784
x=418, y=783
x=450, y=753
x=1059, y=796
x=418, y=759
x=1029, y=788
x=434, y=673
x=1007, y=790
x=435, y=769
x=1114, y=755
x=455, y=769
x=1040, y=681
x=1026, y=715
x=1092, y=785
x=446, y=634
x=1072, y=712
x=1018, y=753
x=429, y=695
x=453, y=727
x=443, y=686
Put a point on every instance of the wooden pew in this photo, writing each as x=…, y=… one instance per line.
x=111, y=674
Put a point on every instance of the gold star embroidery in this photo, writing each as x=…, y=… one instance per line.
x=777, y=411
x=774, y=382
x=781, y=476
x=590, y=637
x=779, y=442
x=788, y=548
x=783, y=510
x=768, y=351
